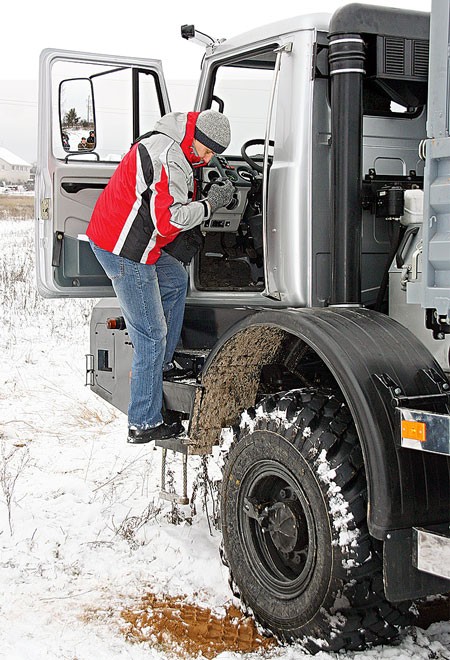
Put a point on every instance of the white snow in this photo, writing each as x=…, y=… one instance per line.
x=11, y=158
x=338, y=508
x=77, y=491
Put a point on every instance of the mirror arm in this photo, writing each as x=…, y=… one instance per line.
x=106, y=73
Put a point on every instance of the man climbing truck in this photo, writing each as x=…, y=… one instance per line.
x=317, y=319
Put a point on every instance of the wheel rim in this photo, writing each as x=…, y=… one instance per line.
x=281, y=545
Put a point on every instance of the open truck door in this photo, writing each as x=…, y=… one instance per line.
x=91, y=108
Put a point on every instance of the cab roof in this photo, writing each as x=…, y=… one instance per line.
x=319, y=21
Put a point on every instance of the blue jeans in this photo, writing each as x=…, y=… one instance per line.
x=152, y=299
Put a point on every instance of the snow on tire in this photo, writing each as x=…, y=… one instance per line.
x=295, y=537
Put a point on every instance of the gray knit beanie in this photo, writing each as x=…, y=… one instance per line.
x=212, y=129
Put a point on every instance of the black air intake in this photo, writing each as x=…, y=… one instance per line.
x=402, y=59
x=397, y=61
x=420, y=59
x=393, y=56
x=346, y=61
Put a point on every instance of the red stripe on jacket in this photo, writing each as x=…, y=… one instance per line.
x=186, y=144
x=163, y=202
x=115, y=203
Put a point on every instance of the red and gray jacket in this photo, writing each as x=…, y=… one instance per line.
x=147, y=201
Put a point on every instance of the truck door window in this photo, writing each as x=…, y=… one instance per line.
x=149, y=103
x=232, y=258
x=245, y=93
x=124, y=101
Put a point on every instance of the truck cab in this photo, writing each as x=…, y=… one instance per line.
x=317, y=317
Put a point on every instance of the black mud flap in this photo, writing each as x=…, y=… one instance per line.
x=402, y=581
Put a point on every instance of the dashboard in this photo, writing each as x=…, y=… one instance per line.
x=240, y=174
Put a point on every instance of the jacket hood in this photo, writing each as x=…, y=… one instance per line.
x=180, y=126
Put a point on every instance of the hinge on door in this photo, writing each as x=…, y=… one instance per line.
x=275, y=295
x=45, y=208
x=57, y=248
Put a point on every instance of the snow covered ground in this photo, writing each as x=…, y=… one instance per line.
x=83, y=535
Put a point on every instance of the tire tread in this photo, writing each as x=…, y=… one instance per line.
x=315, y=422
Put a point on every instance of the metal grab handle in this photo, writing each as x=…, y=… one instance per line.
x=407, y=237
x=286, y=48
x=415, y=261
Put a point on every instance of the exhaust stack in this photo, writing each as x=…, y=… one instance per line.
x=346, y=61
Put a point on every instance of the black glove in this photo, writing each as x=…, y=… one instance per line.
x=186, y=245
x=220, y=195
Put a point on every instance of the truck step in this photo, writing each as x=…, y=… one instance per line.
x=431, y=551
x=191, y=360
x=176, y=445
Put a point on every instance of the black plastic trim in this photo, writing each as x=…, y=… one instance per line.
x=373, y=19
x=402, y=581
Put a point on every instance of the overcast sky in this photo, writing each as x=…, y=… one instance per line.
x=134, y=28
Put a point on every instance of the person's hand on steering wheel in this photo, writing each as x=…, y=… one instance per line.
x=251, y=143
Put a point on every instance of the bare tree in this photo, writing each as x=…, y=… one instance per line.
x=13, y=463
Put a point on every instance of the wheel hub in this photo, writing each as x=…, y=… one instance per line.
x=283, y=525
x=278, y=528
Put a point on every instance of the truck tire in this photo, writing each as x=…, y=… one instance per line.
x=293, y=516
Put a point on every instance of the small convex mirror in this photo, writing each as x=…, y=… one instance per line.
x=77, y=115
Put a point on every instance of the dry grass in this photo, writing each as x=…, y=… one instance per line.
x=88, y=417
x=26, y=314
x=17, y=206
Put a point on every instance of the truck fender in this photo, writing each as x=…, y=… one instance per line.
x=360, y=348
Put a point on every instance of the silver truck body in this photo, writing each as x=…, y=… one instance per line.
x=262, y=299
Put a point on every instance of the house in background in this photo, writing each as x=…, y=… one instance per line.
x=13, y=169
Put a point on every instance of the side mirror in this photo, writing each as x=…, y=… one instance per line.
x=77, y=115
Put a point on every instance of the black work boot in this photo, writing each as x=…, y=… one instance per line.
x=161, y=432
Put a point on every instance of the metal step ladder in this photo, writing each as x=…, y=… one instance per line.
x=179, y=396
x=179, y=445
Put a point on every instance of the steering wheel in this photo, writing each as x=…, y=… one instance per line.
x=251, y=143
